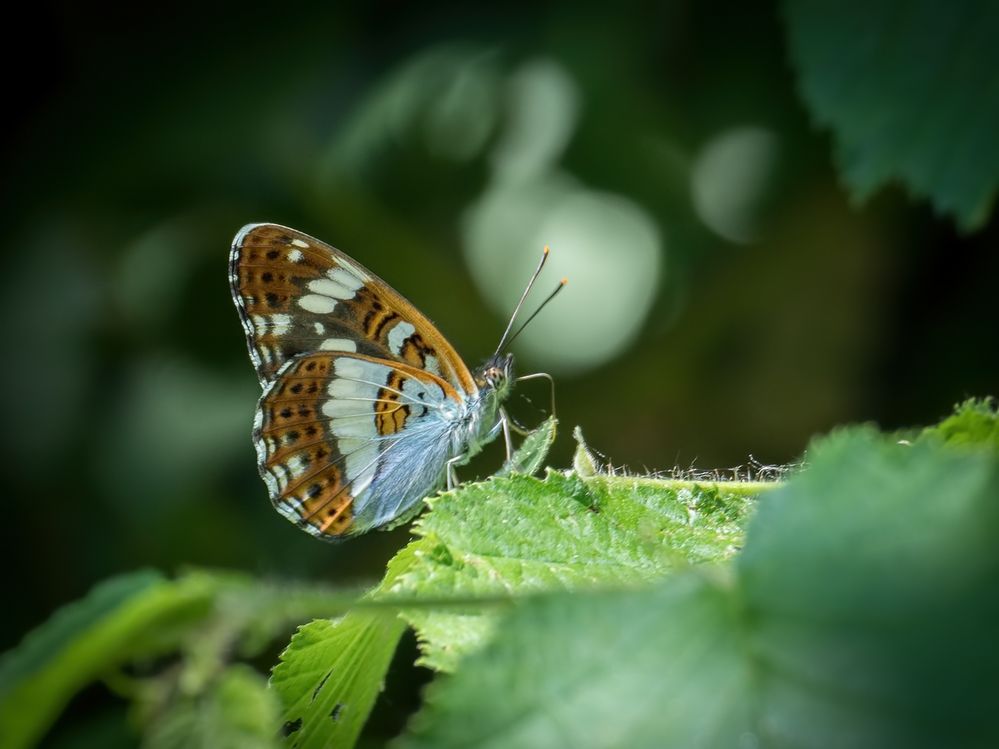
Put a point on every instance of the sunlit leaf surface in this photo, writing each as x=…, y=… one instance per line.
x=508, y=537
x=330, y=675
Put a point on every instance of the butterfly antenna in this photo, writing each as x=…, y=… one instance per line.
x=561, y=285
x=503, y=341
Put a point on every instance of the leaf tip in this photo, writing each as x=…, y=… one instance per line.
x=583, y=461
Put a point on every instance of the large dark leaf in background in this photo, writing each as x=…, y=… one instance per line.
x=910, y=89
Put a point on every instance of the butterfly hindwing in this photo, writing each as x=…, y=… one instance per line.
x=347, y=442
x=296, y=294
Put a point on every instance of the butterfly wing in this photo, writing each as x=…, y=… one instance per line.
x=347, y=442
x=296, y=294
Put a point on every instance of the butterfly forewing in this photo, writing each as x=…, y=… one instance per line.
x=347, y=442
x=296, y=294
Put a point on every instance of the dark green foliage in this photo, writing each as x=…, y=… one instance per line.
x=910, y=89
x=201, y=619
x=237, y=712
x=127, y=617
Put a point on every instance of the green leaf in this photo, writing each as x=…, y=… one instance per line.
x=910, y=89
x=861, y=613
x=584, y=463
x=239, y=712
x=530, y=456
x=205, y=615
x=608, y=670
x=519, y=535
x=975, y=423
x=872, y=586
x=45, y=642
x=121, y=619
x=330, y=675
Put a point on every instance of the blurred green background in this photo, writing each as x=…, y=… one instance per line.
x=727, y=300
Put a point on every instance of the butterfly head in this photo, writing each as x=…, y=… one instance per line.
x=496, y=374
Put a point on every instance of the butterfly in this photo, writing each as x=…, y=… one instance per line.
x=366, y=407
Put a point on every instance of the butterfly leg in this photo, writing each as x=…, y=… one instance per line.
x=452, y=474
x=505, y=421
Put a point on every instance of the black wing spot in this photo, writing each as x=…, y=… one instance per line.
x=291, y=726
x=392, y=316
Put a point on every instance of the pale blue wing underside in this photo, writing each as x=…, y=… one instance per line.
x=341, y=435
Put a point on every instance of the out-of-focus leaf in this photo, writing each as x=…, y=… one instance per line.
x=122, y=618
x=239, y=712
x=861, y=613
x=599, y=670
x=271, y=608
x=203, y=614
x=910, y=89
x=330, y=675
x=445, y=99
x=871, y=586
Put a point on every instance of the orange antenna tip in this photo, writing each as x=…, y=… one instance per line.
x=565, y=281
x=547, y=249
